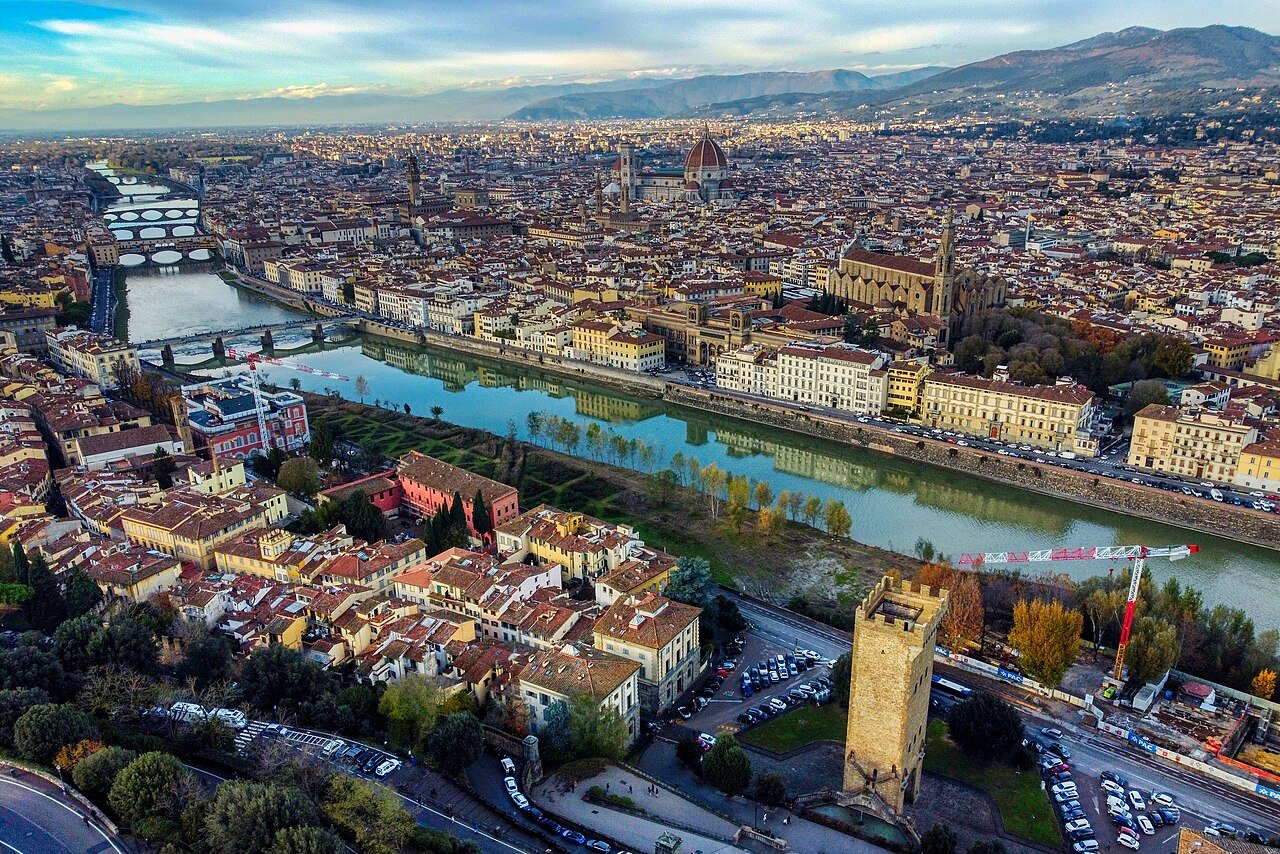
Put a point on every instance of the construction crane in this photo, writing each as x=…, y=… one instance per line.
x=258, y=409
x=1137, y=554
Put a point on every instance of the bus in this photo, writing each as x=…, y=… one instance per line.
x=951, y=689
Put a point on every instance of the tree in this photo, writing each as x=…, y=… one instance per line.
x=82, y=594
x=763, y=494
x=938, y=839
x=836, y=518
x=729, y=617
x=14, y=594
x=124, y=643
x=595, y=731
x=20, y=564
x=795, y=502
x=812, y=510
x=268, y=465
x=45, y=608
x=362, y=519
x=300, y=475
x=32, y=667
x=1143, y=394
x=987, y=846
x=713, y=481
x=1153, y=649
x=44, y=729
x=163, y=467
x=95, y=775
x=554, y=734
x=321, y=448
x=1172, y=357
x=727, y=767
x=1047, y=638
x=690, y=582
x=73, y=754
x=362, y=387
x=481, y=518
x=924, y=550
x=275, y=680
x=770, y=789
x=840, y=675
x=736, y=514
x=689, y=750
x=242, y=814
x=436, y=412
x=372, y=815
x=154, y=784
x=411, y=707
x=456, y=743
x=14, y=703
x=206, y=658
x=985, y=727
x=661, y=487
x=1264, y=684
x=305, y=840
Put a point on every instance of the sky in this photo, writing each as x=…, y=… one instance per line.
x=74, y=54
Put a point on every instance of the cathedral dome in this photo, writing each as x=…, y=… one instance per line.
x=707, y=154
x=692, y=185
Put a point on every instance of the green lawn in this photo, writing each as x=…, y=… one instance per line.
x=800, y=727
x=1024, y=806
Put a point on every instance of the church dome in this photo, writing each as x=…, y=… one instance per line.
x=707, y=154
x=692, y=185
x=613, y=189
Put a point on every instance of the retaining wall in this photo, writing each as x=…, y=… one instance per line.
x=1121, y=496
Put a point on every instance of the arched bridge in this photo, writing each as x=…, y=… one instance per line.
x=245, y=330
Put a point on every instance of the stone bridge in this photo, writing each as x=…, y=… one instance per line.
x=266, y=329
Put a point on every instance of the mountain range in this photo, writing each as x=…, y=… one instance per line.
x=1131, y=71
x=1134, y=70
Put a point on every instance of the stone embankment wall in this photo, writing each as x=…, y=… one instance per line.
x=1196, y=514
x=627, y=382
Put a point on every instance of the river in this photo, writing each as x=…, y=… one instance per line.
x=893, y=502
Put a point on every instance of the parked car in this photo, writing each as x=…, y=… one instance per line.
x=389, y=766
x=1112, y=788
x=597, y=845
x=511, y=784
x=1113, y=777
x=1085, y=846
x=683, y=712
x=1145, y=825
x=1164, y=799
x=1077, y=835
x=1128, y=841
x=573, y=836
x=1051, y=732
x=1170, y=815
x=520, y=801
x=1077, y=824
x=508, y=765
x=1139, y=803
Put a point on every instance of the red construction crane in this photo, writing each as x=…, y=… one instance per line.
x=1137, y=554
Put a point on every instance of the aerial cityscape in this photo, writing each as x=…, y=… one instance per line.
x=627, y=428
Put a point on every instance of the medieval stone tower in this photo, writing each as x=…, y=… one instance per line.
x=891, y=673
x=414, y=178
x=944, y=272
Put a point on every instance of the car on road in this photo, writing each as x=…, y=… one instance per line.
x=511, y=784
x=1164, y=799
x=1061, y=750
x=1145, y=825
x=683, y=712
x=520, y=800
x=1051, y=732
x=597, y=845
x=1139, y=803
x=573, y=836
x=1113, y=777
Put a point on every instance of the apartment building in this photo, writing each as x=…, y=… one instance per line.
x=429, y=485
x=586, y=547
x=837, y=376
x=561, y=674
x=1197, y=444
x=752, y=369
x=334, y=557
x=95, y=357
x=189, y=525
x=904, y=393
x=662, y=636
x=1056, y=418
x=628, y=347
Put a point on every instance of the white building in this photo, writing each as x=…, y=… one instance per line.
x=836, y=376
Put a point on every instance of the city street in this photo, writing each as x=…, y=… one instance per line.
x=36, y=818
x=103, y=317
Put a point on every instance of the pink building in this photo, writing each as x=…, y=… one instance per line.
x=429, y=484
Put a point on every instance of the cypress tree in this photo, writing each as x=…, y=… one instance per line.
x=480, y=518
x=21, y=566
x=46, y=609
x=457, y=513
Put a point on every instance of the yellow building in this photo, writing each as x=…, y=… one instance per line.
x=1196, y=444
x=560, y=674
x=662, y=636
x=32, y=295
x=1259, y=467
x=190, y=525
x=906, y=386
x=133, y=575
x=1056, y=417
x=586, y=547
x=1229, y=353
x=87, y=354
x=616, y=345
x=891, y=670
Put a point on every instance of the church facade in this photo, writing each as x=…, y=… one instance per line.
x=911, y=288
x=705, y=177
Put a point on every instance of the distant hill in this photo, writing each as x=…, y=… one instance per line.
x=682, y=95
x=1128, y=71
x=462, y=104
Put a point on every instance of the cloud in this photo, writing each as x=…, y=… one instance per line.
x=313, y=90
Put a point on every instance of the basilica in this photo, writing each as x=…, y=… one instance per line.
x=934, y=292
x=705, y=177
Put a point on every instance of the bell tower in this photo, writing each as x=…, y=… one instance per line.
x=414, y=177
x=627, y=166
x=943, y=304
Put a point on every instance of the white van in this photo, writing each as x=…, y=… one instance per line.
x=187, y=712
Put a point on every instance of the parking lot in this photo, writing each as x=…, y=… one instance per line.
x=719, y=708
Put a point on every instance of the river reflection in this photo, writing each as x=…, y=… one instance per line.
x=893, y=502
